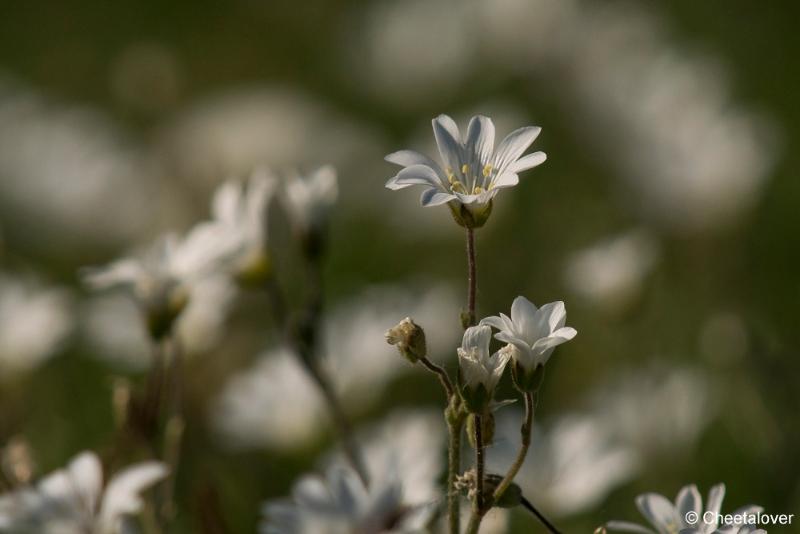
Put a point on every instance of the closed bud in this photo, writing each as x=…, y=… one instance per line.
x=487, y=428
x=409, y=338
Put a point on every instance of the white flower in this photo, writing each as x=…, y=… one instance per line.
x=669, y=518
x=242, y=212
x=473, y=170
x=404, y=462
x=73, y=500
x=478, y=367
x=353, y=354
x=33, y=321
x=162, y=278
x=534, y=332
x=308, y=199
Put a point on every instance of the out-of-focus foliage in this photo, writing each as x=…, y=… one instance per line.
x=665, y=217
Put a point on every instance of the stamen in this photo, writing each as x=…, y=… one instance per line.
x=457, y=187
x=465, y=169
x=487, y=170
x=477, y=190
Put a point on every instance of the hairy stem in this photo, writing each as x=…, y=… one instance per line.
x=527, y=427
x=455, y=425
x=478, y=504
x=444, y=379
x=173, y=432
x=472, y=280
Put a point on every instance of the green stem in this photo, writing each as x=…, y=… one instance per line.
x=455, y=425
x=527, y=427
x=444, y=379
x=472, y=280
x=478, y=504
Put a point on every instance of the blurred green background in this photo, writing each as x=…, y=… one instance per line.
x=665, y=217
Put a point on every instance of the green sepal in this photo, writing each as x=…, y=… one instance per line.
x=527, y=381
x=468, y=218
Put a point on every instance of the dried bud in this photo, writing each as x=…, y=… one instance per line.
x=409, y=338
x=510, y=498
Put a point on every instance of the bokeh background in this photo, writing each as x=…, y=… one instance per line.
x=666, y=217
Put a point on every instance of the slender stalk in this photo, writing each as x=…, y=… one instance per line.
x=173, y=432
x=532, y=509
x=303, y=342
x=455, y=425
x=474, y=523
x=472, y=280
x=442, y=374
x=478, y=504
x=527, y=427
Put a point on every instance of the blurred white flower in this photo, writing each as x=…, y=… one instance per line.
x=70, y=169
x=274, y=403
x=232, y=132
x=308, y=199
x=473, y=170
x=692, y=158
x=669, y=518
x=657, y=411
x=571, y=465
x=242, y=212
x=611, y=273
x=33, y=321
x=398, y=51
x=161, y=280
x=404, y=460
x=74, y=500
x=115, y=331
x=533, y=332
x=478, y=367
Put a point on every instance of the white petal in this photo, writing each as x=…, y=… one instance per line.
x=478, y=337
x=715, y=496
x=555, y=315
x=434, y=197
x=658, y=510
x=530, y=161
x=495, y=321
x=448, y=139
x=122, y=496
x=507, y=179
x=513, y=146
x=418, y=175
x=522, y=310
x=407, y=158
x=120, y=272
x=480, y=140
x=227, y=202
x=689, y=500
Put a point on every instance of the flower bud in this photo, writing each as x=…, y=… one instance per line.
x=409, y=338
x=254, y=270
x=162, y=306
x=487, y=428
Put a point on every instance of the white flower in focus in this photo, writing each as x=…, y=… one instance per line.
x=478, y=370
x=74, y=500
x=242, y=212
x=571, y=465
x=473, y=170
x=404, y=461
x=308, y=199
x=669, y=518
x=534, y=332
x=162, y=279
x=33, y=320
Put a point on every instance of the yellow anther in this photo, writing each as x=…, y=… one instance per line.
x=464, y=169
x=487, y=170
x=457, y=187
x=477, y=190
